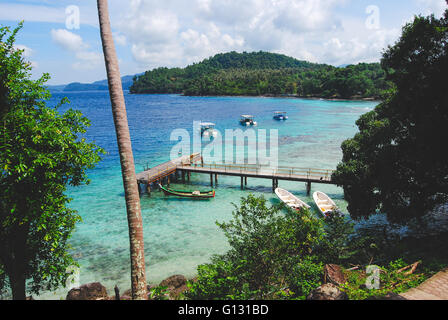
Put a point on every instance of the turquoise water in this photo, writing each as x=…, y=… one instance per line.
x=181, y=234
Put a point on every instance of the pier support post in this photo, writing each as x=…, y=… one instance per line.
x=216, y=180
x=183, y=176
x=211, y=180
x=139, y=188
x=245, y=181
x=148, y=189
x=189, y=176
x=242, y=183
x=168, y=181
x=308, y=188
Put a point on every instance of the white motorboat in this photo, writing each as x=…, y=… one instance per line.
x=247, y=120
x=208, y=130
x=280, y=115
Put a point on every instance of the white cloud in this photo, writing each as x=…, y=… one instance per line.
x=74, y=43
x=307, y=15
x=14, y=12
x=173, y=33
x=68, y=40
x=197, y=45
x=176, y=32
x=119, y=39
x=230, y=12
x=437, y=7
x=361, y=45
x=150, y=26
x=48, y=13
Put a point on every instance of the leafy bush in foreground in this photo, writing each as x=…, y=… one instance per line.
x=279, y=254
x=273, y=255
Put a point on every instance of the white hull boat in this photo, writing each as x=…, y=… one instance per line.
x=324, y=203
x=208, y=130
x=248, y=120
x=291, y=200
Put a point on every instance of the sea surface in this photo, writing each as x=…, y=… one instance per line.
x=181, y=234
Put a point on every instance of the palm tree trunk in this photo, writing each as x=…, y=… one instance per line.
x=138, y=276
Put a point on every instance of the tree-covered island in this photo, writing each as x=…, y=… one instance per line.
x=264, y=74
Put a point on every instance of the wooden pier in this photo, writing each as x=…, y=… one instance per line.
x=166, y=170
x=184, y=166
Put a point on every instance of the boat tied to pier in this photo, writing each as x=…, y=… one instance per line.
x=199, y=195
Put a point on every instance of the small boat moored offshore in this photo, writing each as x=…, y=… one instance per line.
x=291, y=200
x=247, y=120
x=200, y=195
x=208, y=130
x=280, y=115
x=324, y=203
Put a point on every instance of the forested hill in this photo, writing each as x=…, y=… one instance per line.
x=263, y=73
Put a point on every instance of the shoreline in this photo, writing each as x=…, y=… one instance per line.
x=366, y=99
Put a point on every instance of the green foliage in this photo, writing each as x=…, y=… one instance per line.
x=13, y=72
x=278, y=254
x=395, y=163
x=266, y=246
x=41, y=153
x=219, y=281
x=159, y=293
x=263, y=73
x=391, y=281
x=338, y=245
x=305, y=276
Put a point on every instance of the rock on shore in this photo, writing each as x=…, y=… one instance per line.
x=90, y=291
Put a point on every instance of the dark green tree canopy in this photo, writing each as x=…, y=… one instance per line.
x=397, y=162
x=264, y=73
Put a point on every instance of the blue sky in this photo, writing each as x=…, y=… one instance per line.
x=154, y=33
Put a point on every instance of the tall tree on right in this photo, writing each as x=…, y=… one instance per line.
x=396, y=164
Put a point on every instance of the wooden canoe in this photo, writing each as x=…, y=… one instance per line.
x=291, y=200
x=200, y=195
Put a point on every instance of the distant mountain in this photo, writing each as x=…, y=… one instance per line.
x=76, y=86
x=101, y=85
x=56, y=87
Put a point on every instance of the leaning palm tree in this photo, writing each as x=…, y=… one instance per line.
x=138, y=276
